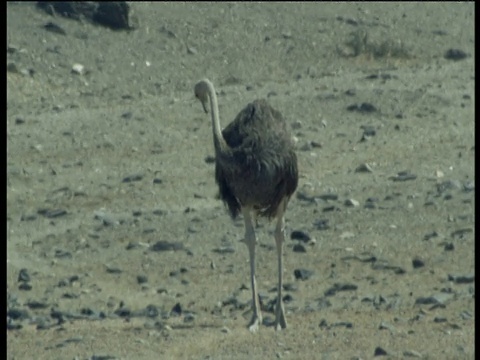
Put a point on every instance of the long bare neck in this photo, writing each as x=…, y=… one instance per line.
x=219, y=141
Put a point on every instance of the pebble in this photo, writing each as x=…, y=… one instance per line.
x=166, y=246
x=364, y=168
x=302, y=274
x=132, y=178
x=300, y=235
x=379, y=351
x=412, y=353
x=364, y=108
x=322, y=224
x=52, y=213
x=418, y=263
x=23, y=275
x=455, y=54
x=462, y=279
x=340, y=287
x=438, y=299
x=403, y=176
x=78, y=69
x=351, y=203
x=299, y=248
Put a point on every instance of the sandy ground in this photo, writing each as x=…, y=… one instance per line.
x=104, y=165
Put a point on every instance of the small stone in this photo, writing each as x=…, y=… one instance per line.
x=142, y=279
x=176, y=310
x=417, y=263
x=412, y=353
x=365, y=168
x=78, y=69
x=379, y=351
x=403, y=176
x=299, y=248
x=300, y=235
x=462, y=279
x=23, y=276
x=166, y=246
x=302, y=274
x=455, y=54
x=352, y=203
x=132, y=178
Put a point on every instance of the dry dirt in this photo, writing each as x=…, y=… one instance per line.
x=104, y=164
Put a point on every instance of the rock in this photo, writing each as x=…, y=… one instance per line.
x=322, y=224
x=302, y=274
x=300, y=235
x=176, y=310
x=340, y=287
x=132, y=178
x=364, y=108
x=114, y=14
x=23, y=275
x=142, y=279
x=351, y=203
x=364, y=168
x=438, y=299
x=166, y=246
x=412, y=353
x=455, y=54
x=299, y=248
x=462, y=279
x=379, y=351
x=417, y=263
x=403, y=176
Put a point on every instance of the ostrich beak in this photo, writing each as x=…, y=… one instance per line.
x=204, y=104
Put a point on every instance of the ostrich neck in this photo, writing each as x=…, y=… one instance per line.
x=219, y=141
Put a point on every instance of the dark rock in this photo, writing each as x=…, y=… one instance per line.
x=123, y=312
x=114, y=14
x=302, y=274
x=52, y=213
x=340, y=287
x=462, y=279
x=166, y=246
x=210, y=159
x=379, y=351
x=151, y=311
x=449, y=247
x=417, y=263
x=142, y=279
x=461, y=233
x=431, y=235
x=18, y=314
x=54, y=28
x=455, y=54
x=25, y=286
x=176, y=310
x=23, y=276
x=403, y=176
x=299, y=248
x=327, y=197
x=300, y=235
x=362, y=108
x=322, y=224
x=132, y=178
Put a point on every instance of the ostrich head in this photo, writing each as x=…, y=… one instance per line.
x=201, y=93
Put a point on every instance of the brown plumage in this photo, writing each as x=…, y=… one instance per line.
x=256, y=172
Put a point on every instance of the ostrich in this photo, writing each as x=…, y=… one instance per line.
x=256, y=172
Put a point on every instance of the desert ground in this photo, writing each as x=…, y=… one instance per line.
x=117, y=245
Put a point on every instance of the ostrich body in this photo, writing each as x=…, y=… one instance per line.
x=256, y=172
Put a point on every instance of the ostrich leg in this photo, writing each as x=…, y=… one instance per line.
x=280, y=320
x=251, y=240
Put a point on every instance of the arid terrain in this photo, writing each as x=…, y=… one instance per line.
x=117, y=246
